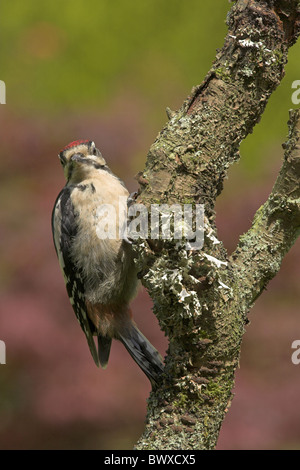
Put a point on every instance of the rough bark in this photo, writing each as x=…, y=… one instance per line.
x=202, y=298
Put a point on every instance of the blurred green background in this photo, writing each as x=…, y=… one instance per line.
x=106, y=71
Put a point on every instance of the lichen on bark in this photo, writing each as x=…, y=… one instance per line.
x=202, y=298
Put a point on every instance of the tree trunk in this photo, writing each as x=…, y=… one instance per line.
x=202, y=297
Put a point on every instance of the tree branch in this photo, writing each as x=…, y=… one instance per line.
x=276, y=225
x=197, y=296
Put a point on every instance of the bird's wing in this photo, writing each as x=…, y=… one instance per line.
x=64, y=229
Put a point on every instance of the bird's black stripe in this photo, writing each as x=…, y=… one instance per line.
x=68, y=231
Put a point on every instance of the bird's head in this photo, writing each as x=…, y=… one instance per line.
x=79, y=159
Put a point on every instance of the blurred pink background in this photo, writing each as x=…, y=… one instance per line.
x=107, y=73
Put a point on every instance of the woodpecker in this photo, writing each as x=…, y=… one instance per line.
x=99, y=272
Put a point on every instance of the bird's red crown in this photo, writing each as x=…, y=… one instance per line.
x=74, y=144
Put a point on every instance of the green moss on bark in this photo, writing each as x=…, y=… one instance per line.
x=202, y=299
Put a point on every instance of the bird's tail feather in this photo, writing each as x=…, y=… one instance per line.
x=104, y=344
x=142, y=352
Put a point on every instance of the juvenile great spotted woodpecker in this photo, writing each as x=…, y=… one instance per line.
x=99, y=272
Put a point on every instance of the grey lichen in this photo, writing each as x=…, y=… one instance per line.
x=202, y=299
